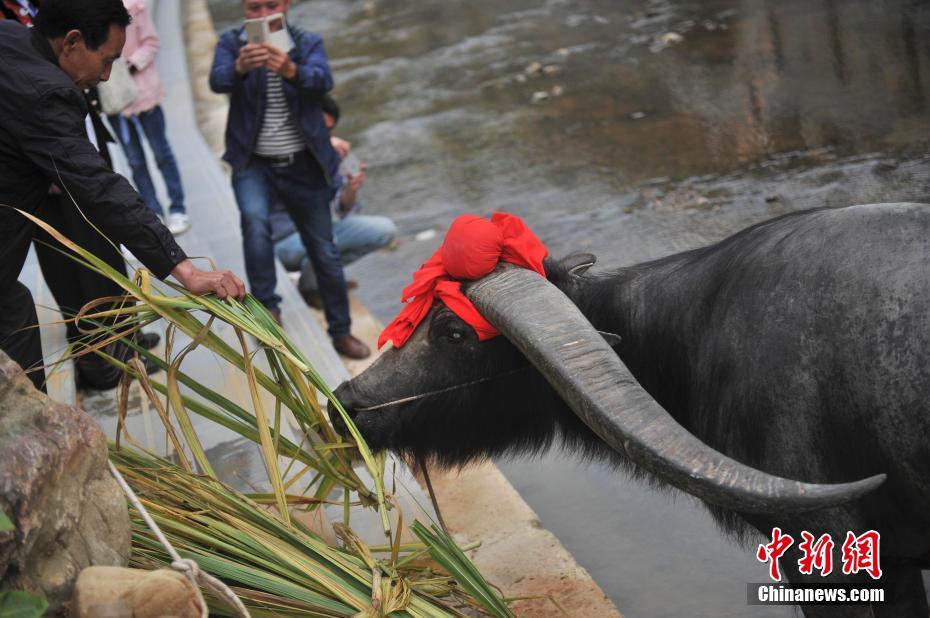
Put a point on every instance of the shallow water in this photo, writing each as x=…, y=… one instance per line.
x=631, y=129
x=760, y=108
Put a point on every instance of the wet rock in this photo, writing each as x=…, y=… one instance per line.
x=557, y=91
x=637, y=115
x=138, y=593
x=533, y=69
x=68, y=511
x=540, y=96
x=551, y=69
x=666, y=40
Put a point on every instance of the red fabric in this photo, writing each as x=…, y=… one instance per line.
x=472, y=248
x=13, y=10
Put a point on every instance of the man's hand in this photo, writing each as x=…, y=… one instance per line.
x=220, y=282
x=355, y=181
x=251, y=56
x=279, y=62
x=349, y=195
x=341, y=146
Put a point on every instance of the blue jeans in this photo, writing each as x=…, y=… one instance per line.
x=305, y=194
x=152, y=124
x=356, y=235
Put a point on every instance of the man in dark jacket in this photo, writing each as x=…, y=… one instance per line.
x=279, y=149
x=43, y=72
x=71, y=284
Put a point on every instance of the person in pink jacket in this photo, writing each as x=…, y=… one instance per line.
x=145, y=115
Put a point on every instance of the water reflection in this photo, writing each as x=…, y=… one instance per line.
x=625, y=91
x=748, y=79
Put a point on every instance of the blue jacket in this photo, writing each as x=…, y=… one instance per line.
x=247, y=98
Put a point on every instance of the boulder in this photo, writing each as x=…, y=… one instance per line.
x=134, y=593
x=68, y=511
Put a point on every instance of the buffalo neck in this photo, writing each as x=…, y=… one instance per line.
x=656, y=308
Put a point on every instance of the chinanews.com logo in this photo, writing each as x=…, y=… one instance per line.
x=858, y=554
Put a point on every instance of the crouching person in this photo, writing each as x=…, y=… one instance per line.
x=356, y=234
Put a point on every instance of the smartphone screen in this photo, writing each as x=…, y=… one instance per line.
x=275, y=23
x=351, y=164
x=255, y=29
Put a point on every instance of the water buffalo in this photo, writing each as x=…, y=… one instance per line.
x=798, y=348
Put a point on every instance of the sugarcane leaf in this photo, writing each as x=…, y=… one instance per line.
x=444, y=550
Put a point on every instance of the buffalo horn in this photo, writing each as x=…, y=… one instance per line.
x=557, y=338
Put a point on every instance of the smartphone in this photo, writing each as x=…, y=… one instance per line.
x=255, y=30
x=351, y=164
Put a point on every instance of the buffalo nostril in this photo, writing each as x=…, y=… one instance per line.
x=336, y=419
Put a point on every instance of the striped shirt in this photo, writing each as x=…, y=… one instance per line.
x=279, y=134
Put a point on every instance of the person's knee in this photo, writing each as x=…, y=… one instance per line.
x=254, y=223
x=164, y=156
x=253, y=208
x=135, y=156
x=368, y=233
x=290, y=251
x=325, y=254
x=387, y=231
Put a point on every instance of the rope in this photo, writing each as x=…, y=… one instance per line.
x=432, y=495
x=443, y=390
x=188, y=567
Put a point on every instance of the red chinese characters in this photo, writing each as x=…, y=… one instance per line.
x=774, y=550
x=817, y=554
x=860, y=553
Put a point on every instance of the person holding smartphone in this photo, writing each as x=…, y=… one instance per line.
x=279, y=148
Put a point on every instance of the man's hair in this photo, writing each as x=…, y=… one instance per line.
x=329, y=106
x=92, y=17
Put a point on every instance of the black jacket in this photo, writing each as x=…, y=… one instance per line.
x=43, y=141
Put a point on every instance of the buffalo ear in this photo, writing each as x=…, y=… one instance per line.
x=611, y=339
x=578, y=263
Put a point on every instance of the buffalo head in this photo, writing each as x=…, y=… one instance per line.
x=450, y=397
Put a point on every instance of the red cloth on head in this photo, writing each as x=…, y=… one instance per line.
x=472, y=248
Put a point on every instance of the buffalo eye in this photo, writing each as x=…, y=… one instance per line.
x=454, y=336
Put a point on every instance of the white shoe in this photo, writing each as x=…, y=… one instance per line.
x=178, y=223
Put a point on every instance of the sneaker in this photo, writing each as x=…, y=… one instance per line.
x=178, y=223
x=351, y=347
